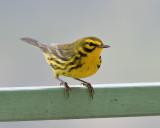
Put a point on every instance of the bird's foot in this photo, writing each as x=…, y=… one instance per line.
x=67, y=88
x=90, y=88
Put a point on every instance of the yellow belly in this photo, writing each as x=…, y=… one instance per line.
x=86, y=67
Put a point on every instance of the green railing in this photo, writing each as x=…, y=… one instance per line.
x=110, y=100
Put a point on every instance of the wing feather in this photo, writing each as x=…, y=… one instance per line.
x=64, y=52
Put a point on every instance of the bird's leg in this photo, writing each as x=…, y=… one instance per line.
x=67, y=88
x=89, y=86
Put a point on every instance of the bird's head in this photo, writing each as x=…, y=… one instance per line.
x=90, y=44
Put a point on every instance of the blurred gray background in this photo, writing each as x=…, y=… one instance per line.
x=130, y=27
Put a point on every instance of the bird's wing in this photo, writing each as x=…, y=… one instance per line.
x=64, y=52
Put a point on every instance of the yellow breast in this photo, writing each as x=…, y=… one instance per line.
x=90, y=65
x=86, y=65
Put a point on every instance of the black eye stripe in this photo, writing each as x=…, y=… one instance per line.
x=91, y=44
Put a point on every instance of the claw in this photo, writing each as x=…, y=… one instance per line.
x=67, y=88
x=90, y=89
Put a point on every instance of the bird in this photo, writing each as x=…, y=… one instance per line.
x=78, y=59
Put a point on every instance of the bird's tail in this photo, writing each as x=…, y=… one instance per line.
x=34, y=42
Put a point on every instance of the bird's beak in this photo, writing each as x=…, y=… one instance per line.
x=104, y=46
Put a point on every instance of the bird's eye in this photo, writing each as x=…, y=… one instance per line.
x=90, y=44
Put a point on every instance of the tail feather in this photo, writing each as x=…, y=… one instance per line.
x=30, y=41
x=34, y=42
